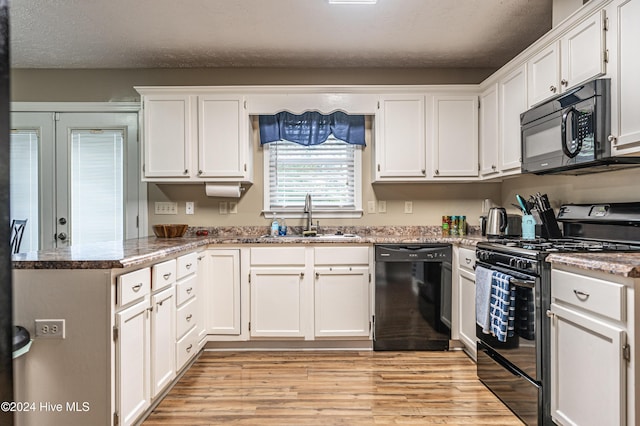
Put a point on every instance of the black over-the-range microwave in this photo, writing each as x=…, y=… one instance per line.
x=570, y=133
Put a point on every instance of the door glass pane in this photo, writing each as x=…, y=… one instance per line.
x=96, y=186
x=24, y=184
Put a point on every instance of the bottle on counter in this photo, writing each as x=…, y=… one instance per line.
x=454, y=226
x=282, y=227
x=445, y=225
x=462, y=226
x=275, y=226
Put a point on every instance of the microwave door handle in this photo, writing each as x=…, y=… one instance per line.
x=574, y=132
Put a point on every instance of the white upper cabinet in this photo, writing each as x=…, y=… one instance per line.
x=223, y=139
x=489, y=132
x=624, y=69
x=513, y=102
x=400, y=138
x=454, y=134
x=168, y=127
x=195, y=136
x=576, y=57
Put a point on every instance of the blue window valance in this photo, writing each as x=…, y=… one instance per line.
x=311, y=128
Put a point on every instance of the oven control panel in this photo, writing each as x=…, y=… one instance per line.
x=510, y=261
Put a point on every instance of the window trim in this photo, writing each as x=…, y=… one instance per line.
x=318, y=213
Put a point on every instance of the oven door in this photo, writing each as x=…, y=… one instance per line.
x=525, y=347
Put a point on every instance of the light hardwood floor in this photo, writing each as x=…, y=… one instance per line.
x=331, y=388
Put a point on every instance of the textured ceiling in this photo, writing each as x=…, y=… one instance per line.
x=272, y=33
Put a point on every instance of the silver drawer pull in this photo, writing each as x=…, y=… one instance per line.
x=188, y=265
x=466, y=259
x=581, y=295
x=137, y=287
x=189, y=317
x=189, y=290
x=167, y=275
x=189, y=347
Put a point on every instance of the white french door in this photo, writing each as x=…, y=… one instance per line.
x=83, y=181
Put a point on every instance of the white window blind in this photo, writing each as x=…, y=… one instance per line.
x=326, y=171
x=24, y=184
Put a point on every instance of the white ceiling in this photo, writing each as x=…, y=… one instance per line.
x=272, y=33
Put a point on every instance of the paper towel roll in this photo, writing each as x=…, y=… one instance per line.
x=223, y=190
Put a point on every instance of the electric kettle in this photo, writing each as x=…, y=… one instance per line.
x=496, y=221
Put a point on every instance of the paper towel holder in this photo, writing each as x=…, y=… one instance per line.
x=224, y=189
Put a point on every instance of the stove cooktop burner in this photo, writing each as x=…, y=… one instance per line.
x=566, y=245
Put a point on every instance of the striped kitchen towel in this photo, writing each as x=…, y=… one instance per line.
x=502, y=306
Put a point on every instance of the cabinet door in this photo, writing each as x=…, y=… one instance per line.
x=342, y=301
x=587, y=370
x=400, y=138
x=543, y=72
x=163, y=339
x=582, y=51
x=222, y=137
x=455, y=136
x=513, y=96
x=223, y=292
x=168, y=131
x=467, y=310
x=277, y=302
x=132, y=361
x=489, y=131
x=624, y=69
x=203, y=298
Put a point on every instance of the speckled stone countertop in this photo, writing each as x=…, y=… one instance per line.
x=622, y=264
x=135, y=252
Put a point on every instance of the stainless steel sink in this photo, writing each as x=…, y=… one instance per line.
x=317, y=237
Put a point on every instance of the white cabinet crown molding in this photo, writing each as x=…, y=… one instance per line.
x=75, y=106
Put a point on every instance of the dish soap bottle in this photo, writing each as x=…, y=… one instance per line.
x=275, y=227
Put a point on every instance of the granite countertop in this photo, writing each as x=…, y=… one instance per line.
x=622, y=264
x=139, y=251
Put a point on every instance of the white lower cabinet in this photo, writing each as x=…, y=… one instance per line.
x=277, y=300
x=590, y=350
x=163, y=334
x=222, y=292
x=187, y=296
x=133, y=362
x=466, y=282
x=341, y=301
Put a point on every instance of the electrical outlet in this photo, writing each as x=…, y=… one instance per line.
x=190, y=207
x=222, y=207
x=408, y=206
x=371, y=206
x=50, y=328
x=166, y=207
x=233, y=207
x=382, y=206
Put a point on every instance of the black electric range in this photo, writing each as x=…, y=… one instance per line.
x=517, y=370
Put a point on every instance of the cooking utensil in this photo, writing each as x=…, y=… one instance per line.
x=523, y=204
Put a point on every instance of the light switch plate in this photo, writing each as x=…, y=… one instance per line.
x=222, y=207
x=408, y=206
x=233, y=207
x=166, y=207
x=382, y=206
x=371, y=206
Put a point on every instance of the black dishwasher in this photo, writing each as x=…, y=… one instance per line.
x=412, y=297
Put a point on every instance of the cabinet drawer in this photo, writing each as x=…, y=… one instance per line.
x=186, y=348
x=284, y=256
x=133, y=286
x=466, y=258
x=163, y=274
x=187, y=264
x=341, y=255
x=602, y=297
x=186, y=289
x=187, y=317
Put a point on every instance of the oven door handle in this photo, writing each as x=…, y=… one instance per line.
x=522, y=283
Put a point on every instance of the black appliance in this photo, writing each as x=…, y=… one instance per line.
x=571, y=133
x=517, y=370
x=412, y=297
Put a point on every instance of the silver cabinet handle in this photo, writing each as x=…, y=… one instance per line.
x=188, y=317
x=553, y=89
x=564, y=82
x=550, y=314
x=581, y=295
x=188, y=265
x=466, y=259
x=189, y=290
x=167, y=275
x=189, y=347
x=137, y=287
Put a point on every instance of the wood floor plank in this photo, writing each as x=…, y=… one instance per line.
x=331, y=388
